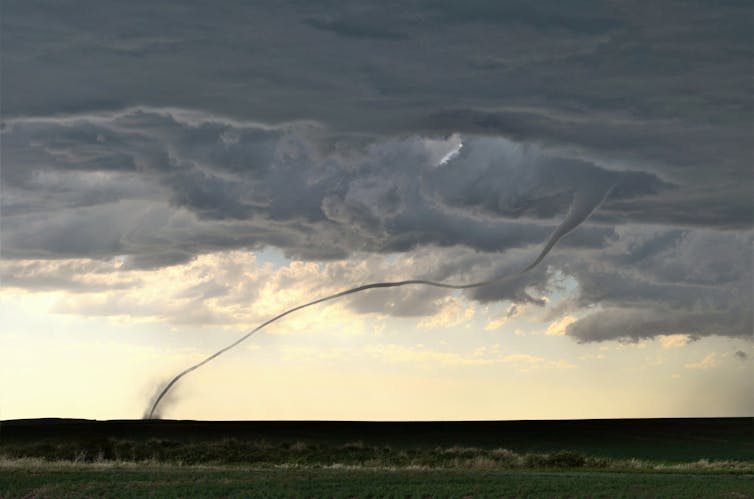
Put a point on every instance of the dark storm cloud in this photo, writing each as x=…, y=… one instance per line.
x=643, y=282
x=635, y=324
x=652, y=282
x=187, y=183
x=653, y=87
x=143, y=129
x=356, y=28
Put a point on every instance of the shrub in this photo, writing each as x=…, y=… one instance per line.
x=560, y=459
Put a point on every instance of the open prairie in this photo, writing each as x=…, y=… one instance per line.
x=610, y=458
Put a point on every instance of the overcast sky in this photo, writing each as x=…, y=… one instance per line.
x=174, y=173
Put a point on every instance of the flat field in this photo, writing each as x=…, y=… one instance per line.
x=123, y=480
x=619, y=458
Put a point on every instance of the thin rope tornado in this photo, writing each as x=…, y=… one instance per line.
x=312, y=303
x=581, y=207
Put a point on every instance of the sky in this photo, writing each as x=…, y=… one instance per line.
x=173, y=174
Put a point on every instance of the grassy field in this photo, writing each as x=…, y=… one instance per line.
x=624, y=458
x=41, y=479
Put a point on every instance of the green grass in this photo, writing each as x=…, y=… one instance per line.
x=38, y=479
x=641, y=458
x=230, y=451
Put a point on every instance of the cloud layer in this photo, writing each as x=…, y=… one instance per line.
x=452, y=139
x=164, y=185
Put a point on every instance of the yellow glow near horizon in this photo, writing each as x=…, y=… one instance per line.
x=81, y=354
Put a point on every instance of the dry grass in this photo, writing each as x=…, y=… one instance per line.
x=455, y=458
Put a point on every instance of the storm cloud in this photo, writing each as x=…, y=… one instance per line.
x=163, y=185
x=153, y=133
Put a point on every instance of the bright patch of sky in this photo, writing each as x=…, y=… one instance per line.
x=398, y=368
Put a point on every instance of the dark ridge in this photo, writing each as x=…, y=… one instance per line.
x=664, y=439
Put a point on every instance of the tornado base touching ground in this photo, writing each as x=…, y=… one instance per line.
x=582, y=206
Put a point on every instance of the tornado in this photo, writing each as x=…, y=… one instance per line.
x=584, y=203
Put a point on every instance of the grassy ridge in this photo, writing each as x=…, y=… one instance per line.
x=354, y=454
x=622, y=458
x=662, y=440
